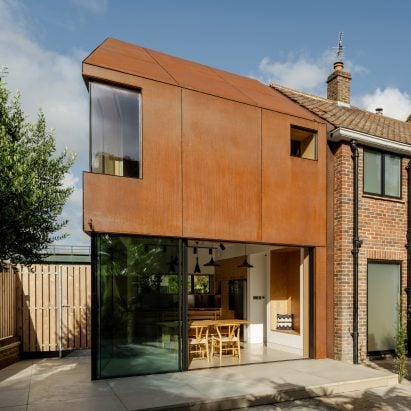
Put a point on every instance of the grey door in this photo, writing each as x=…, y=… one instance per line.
x=383, y=301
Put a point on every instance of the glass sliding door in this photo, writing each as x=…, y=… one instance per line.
x=138, y=300
x=383, y=300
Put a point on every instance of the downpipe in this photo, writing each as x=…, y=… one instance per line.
x=408, y=246
x=355, y=250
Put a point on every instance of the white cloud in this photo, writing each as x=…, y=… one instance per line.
x=73, y=212
x=51, y=81
x=394, y=103
x=302, y=72
x=93, y=6
x=310, y=74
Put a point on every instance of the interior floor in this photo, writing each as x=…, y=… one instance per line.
x=250, y=354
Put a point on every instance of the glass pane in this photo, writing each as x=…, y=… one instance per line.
x=372, y=172
x=392, y=175
x=383, y=300
x=115, y=118
x=138, y=309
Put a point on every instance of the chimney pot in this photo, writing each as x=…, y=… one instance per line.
x=338, y=66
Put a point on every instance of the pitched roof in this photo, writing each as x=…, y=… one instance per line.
x=139, y=61
x=349, y=117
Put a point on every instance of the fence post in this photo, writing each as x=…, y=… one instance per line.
x=60, y=313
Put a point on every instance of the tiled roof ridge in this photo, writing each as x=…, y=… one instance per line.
x=280, y=88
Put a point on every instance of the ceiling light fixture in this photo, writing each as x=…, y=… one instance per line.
x=245, y=263
x=211, y=263
x=197, y=267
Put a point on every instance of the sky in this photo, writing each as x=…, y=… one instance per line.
x=293, y=43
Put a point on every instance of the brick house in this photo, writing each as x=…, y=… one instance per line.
x=298, y=202
x=379, y=147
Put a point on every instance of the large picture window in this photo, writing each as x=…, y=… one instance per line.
x=382, y=173
x=137, y=308
x=115, y=130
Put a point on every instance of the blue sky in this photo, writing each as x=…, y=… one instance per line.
x=42, y=42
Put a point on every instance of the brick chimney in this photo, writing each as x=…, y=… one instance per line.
x=338, y=84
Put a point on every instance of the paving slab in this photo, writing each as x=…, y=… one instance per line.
x=64, y=384
x=394, y=398
x=79, y=404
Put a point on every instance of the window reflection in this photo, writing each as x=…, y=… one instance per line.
x=138, y=308
x=115, y=130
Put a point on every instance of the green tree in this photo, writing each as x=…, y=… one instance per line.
x=32, y=194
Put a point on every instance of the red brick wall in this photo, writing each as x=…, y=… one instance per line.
x=382, y=228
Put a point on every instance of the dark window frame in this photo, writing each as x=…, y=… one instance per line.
x=383, y=154
x=140, y=115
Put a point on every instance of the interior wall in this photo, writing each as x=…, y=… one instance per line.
x=285, y=286
x=257, y=297
x=227, y=271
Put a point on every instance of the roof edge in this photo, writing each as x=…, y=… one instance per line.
x=344, y=134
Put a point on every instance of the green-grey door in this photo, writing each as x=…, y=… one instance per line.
x=383, y=300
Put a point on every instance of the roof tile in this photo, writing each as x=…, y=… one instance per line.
x=351, y=117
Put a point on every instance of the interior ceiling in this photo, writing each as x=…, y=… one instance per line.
x=216, y=245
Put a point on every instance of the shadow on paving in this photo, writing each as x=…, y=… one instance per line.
x=387, y=364
x=65, y=385
x=393, y=398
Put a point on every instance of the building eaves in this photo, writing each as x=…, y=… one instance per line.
x=350, y=117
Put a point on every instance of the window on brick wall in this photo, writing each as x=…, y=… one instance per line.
x=382, y=173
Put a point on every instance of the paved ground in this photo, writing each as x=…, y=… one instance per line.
x=396, y=397
x=54, y=384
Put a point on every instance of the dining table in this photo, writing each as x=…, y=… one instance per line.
x=211, y=327
x=212, y=323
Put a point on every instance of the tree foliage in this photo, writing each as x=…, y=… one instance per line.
x=400, y=359
x=32, y=194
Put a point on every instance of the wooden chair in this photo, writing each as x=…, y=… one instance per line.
x=198, y=342
x=227, y=339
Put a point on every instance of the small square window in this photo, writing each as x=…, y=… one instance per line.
x=303, y=143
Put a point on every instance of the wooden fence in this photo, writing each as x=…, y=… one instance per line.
x=7, y=303
x=52, y=307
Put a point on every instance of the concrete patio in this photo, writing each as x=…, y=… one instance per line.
x=64, y=384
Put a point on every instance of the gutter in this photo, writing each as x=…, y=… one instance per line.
x=355, y=251
x=344, y=134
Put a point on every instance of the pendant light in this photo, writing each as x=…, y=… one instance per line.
x=197, y=267
x=211, y=263
x=245, y=263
